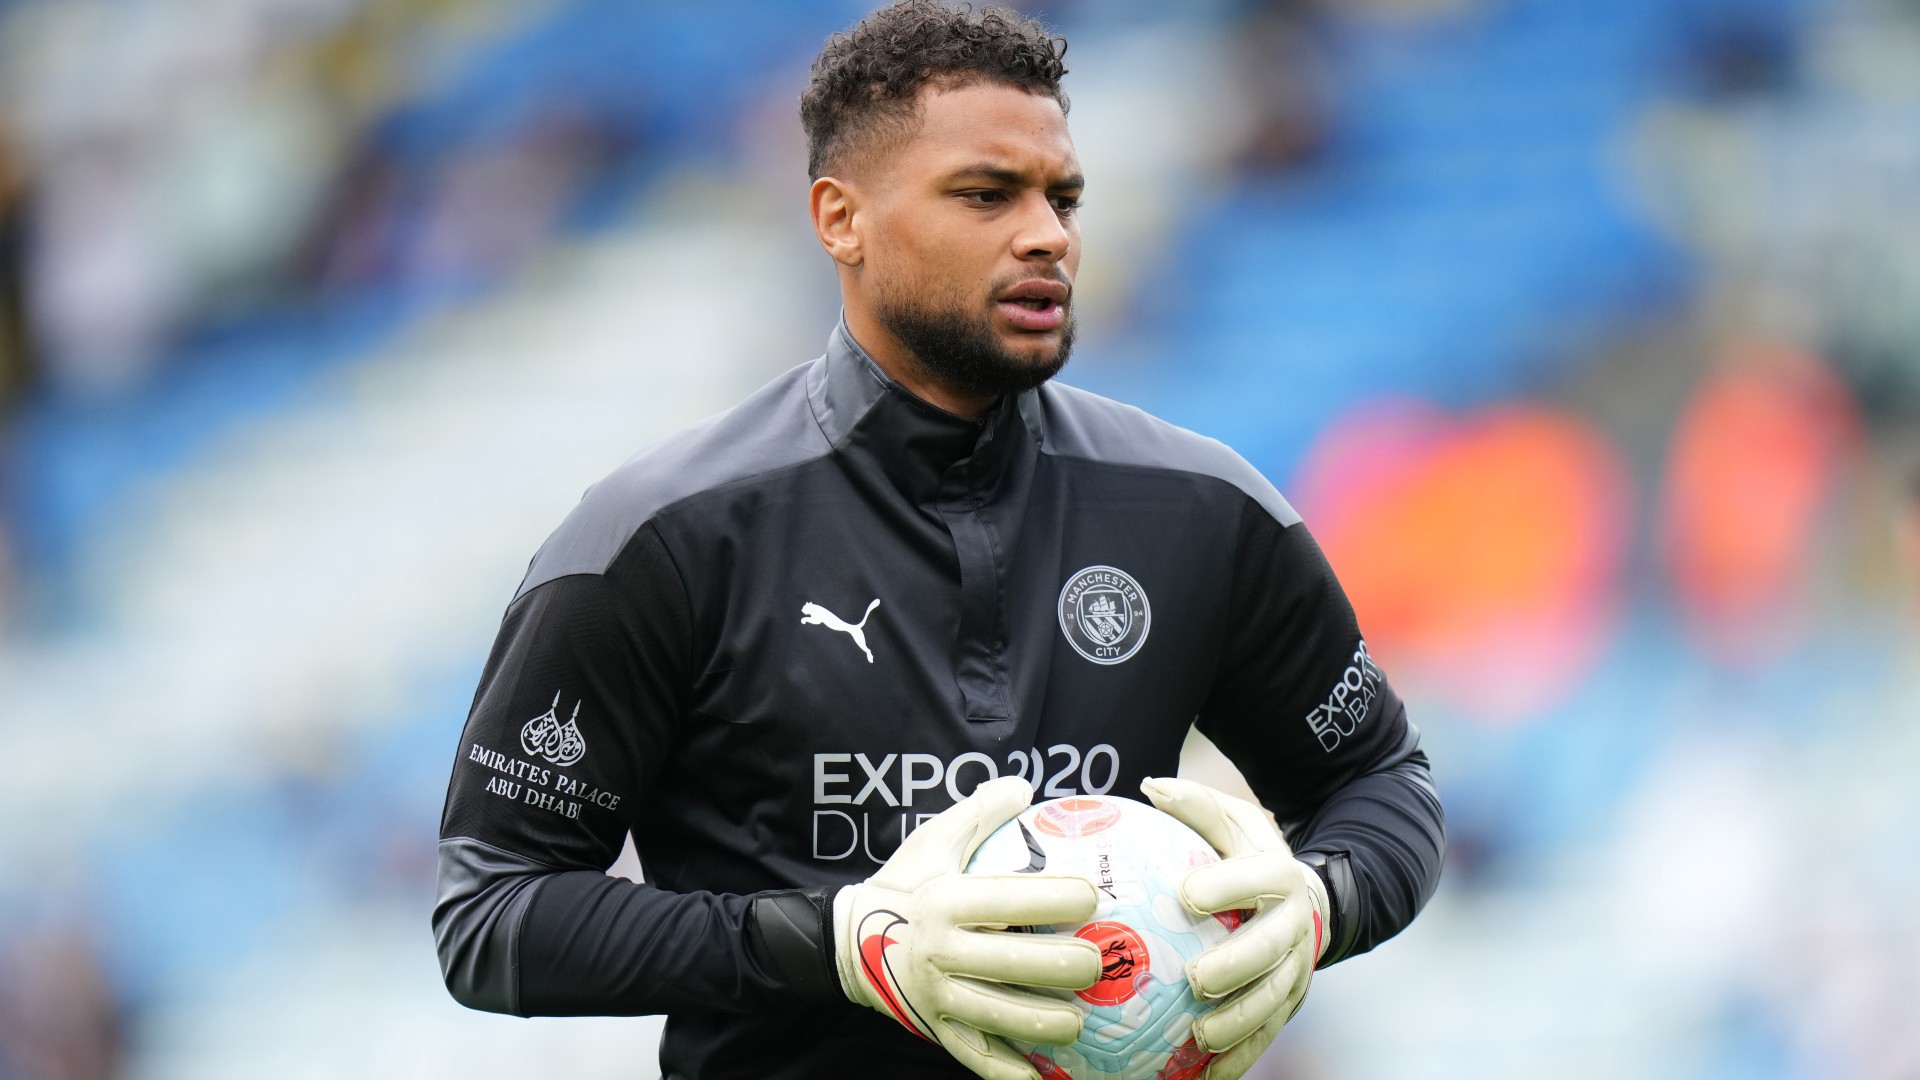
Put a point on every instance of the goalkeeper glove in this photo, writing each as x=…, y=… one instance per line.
x=1259, y=974
x=927, y=944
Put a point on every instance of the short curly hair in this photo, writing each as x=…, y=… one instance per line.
x=866, y=81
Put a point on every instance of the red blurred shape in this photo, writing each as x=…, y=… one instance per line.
x=1759, y=449
x=1076, y=817
x=1186, y=1063
x=1482, y=553
x=1049, y=1070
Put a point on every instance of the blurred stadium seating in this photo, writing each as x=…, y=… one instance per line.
x=316, y=315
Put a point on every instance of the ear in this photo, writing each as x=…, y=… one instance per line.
x=833, y=202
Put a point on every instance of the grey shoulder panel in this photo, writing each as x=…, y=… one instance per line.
x=770, y=430
x=483, y=893
x=1085, y=425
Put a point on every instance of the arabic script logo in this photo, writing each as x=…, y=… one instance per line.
x=545, y=736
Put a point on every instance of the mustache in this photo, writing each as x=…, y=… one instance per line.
x=1056, y=276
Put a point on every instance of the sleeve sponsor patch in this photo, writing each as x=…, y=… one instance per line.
x=1339, y=716
x=522, y=781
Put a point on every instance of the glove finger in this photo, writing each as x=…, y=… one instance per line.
x=1256, y=948
x=1017, y=1014
x=948, y=839
x=1269, y=999
x=1235, y=883
x=1055, y=960
x=1245, y=956
x=1015, y=899
x=1232, y=825
x=984, y=1055
x=1196, y=806
x=1233, y=1062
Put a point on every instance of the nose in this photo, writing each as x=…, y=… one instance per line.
x=1043, y=232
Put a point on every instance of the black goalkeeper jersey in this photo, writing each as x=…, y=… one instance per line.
x=776, y=642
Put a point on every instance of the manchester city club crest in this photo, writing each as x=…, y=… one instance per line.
x=1104, y=614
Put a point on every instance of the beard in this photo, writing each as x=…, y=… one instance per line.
x=963, y=351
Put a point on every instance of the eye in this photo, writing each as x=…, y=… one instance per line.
x=1066, y=204
x=985, y=197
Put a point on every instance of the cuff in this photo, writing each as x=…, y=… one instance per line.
x=1336, y=873
x=795, y=930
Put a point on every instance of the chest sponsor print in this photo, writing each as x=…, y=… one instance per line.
x=1104, y=614
x=866, y=804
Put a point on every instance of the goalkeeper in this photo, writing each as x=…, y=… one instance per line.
x=809, y=653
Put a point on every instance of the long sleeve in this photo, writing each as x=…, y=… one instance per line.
x=1300, y=706
x=575, y=715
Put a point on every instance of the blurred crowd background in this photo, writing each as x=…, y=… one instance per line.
x=1585, y=335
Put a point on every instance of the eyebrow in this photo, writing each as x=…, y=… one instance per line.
x=1000, y=174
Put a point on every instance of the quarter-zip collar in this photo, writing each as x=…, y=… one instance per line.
x=862, y=410
x=975, y=475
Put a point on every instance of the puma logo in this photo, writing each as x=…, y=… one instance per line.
x=815, y=615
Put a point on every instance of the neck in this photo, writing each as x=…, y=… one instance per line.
x=904, y=368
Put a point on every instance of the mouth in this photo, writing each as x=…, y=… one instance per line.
x=1037, y=305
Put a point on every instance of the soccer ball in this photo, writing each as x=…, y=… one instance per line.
x=1139, y=1017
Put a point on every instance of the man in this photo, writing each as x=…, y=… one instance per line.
x=791, y=648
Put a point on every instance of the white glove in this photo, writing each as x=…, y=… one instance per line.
x=1262, y=968
x=927, y=944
